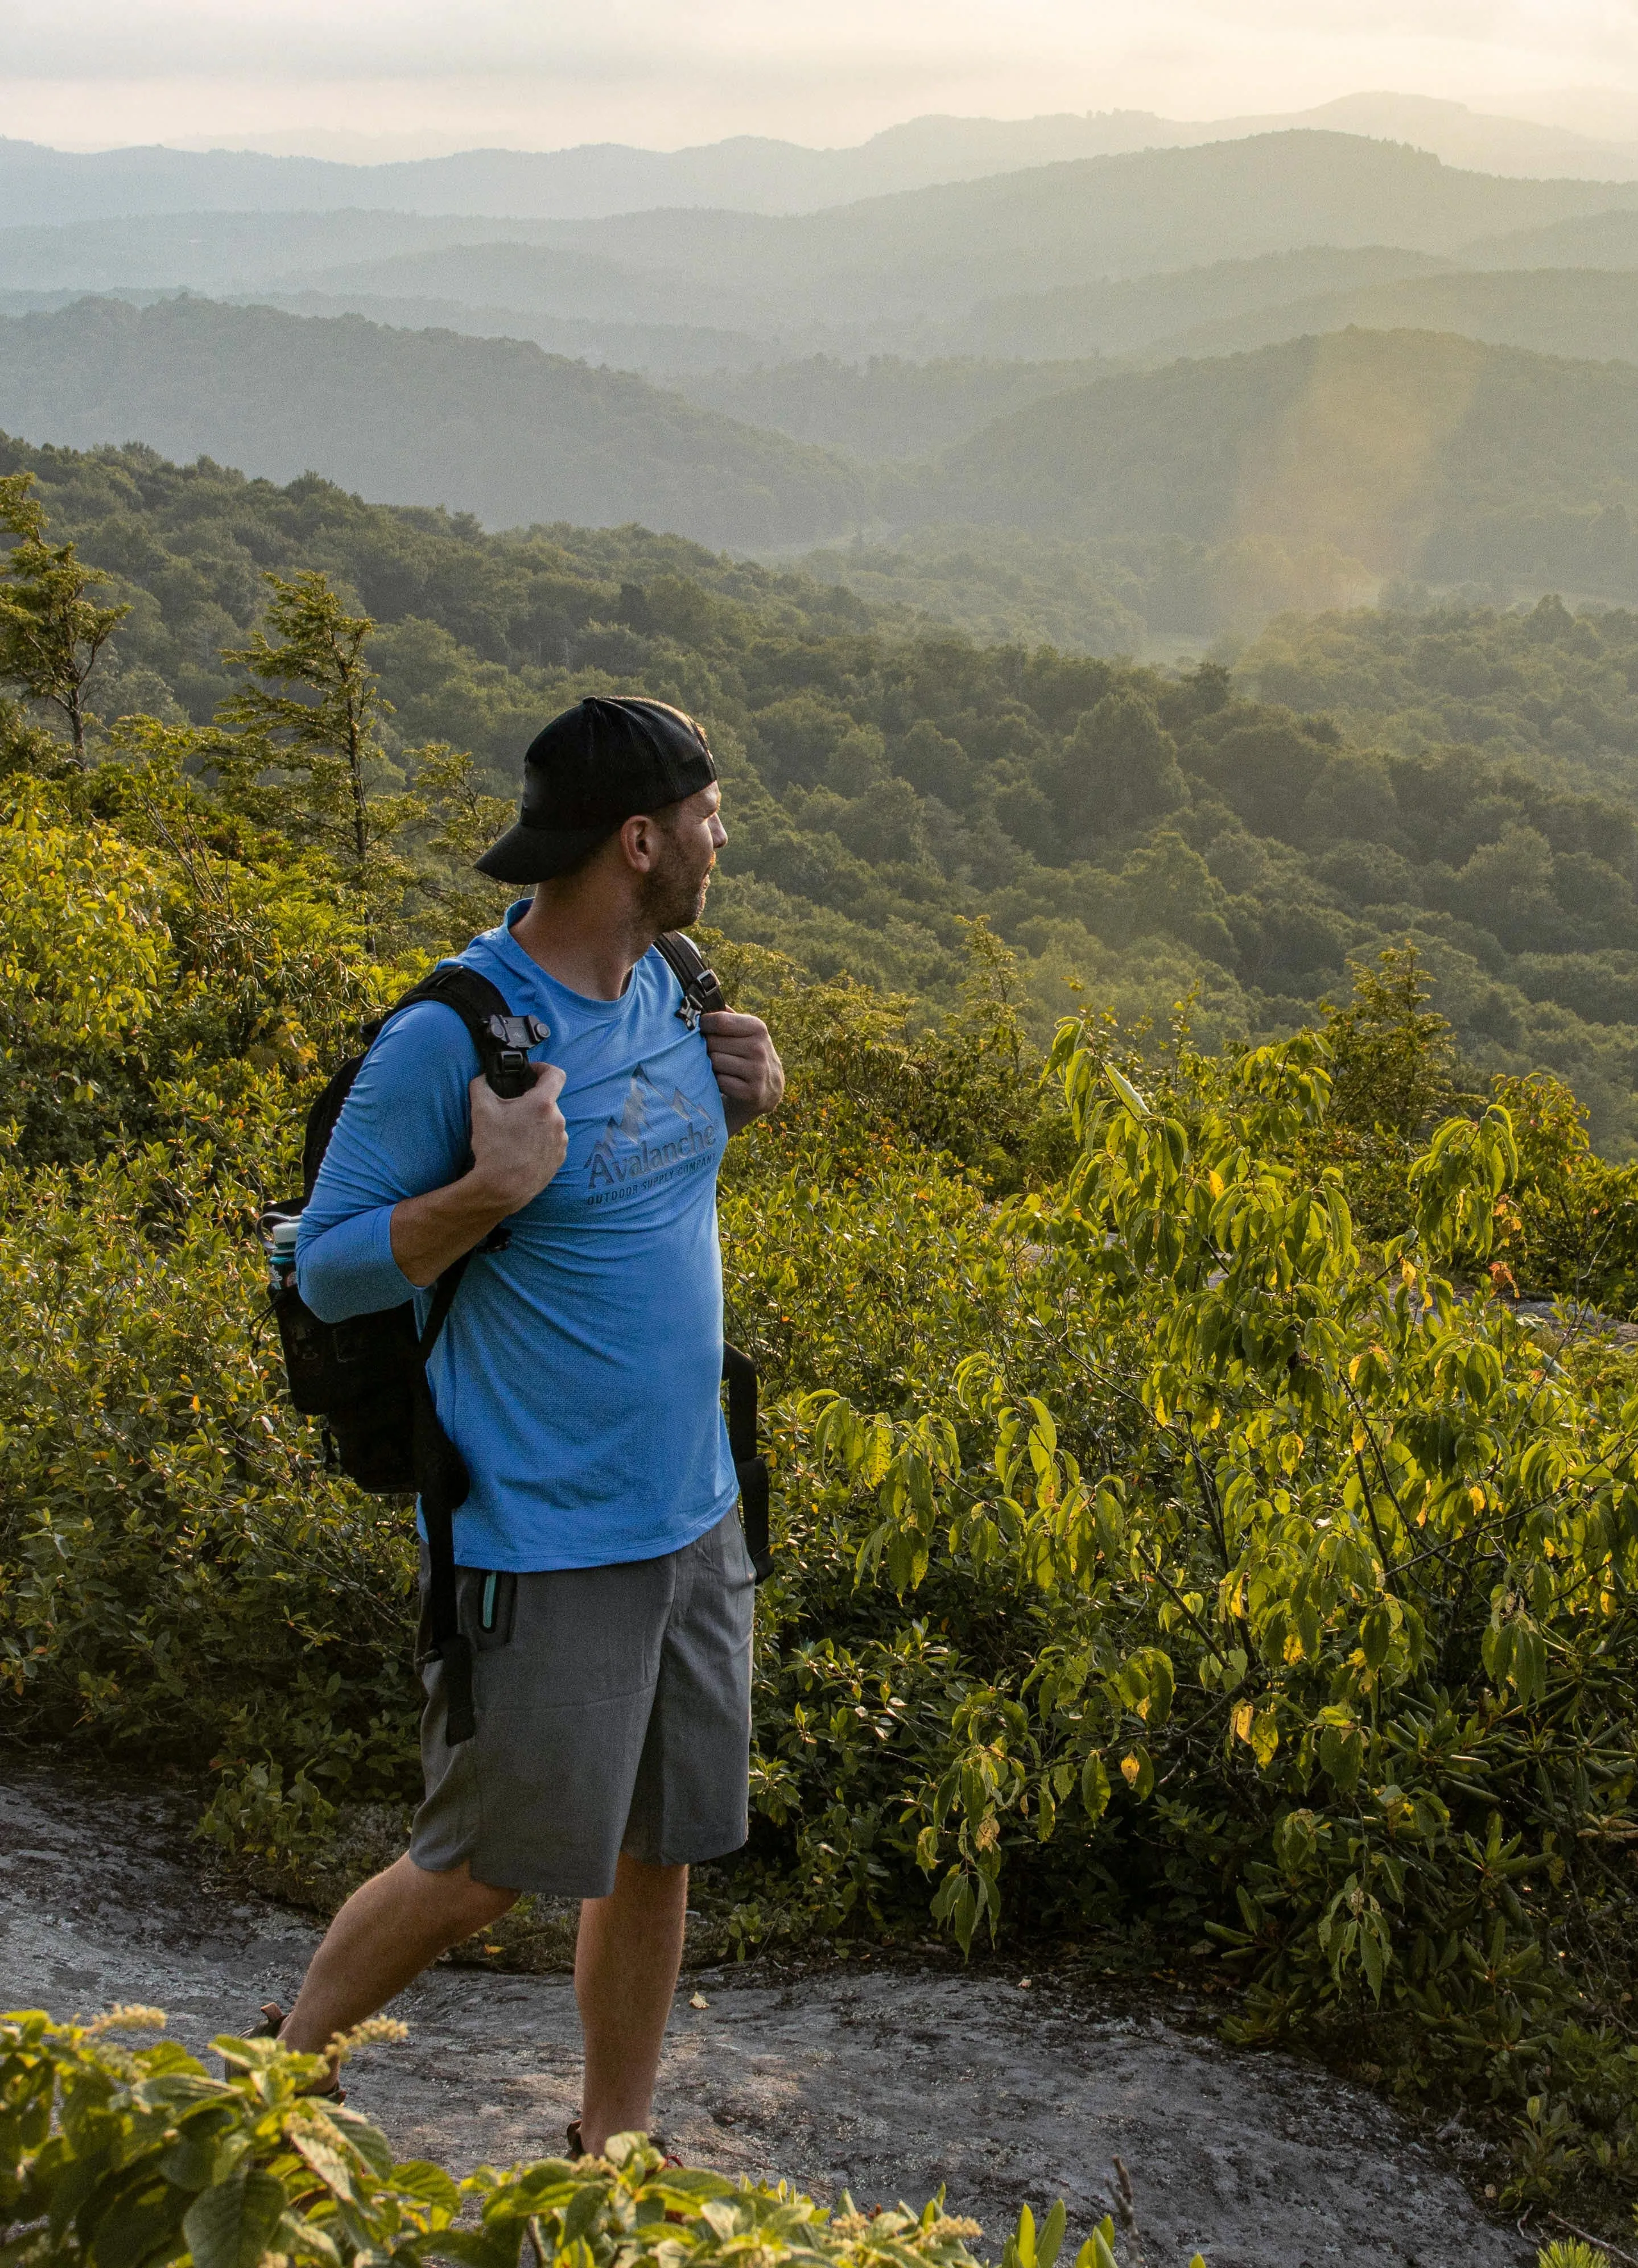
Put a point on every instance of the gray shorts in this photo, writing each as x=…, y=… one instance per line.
x=613, y=1711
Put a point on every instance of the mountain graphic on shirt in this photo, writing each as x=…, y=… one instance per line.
x=651, y=1133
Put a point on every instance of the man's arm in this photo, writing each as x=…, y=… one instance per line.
x=519, y=1142
x=415, y=1120
x=748, y=1071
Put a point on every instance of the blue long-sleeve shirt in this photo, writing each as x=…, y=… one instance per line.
x=579, y=1369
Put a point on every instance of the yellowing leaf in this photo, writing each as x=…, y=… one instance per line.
x=1241, y=1720
x=1138, y=1771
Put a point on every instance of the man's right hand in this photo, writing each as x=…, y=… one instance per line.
x=519, y=1142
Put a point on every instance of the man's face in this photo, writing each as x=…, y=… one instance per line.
x=691, y=834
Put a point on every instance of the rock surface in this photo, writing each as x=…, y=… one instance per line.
x=885, y=2081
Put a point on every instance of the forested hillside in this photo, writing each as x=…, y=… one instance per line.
x=1120, y=315
x=1122, y=830
x=884, y=407
x=1593, y=240
x=1588, y=314
x=890, y=406
x=1306, y=471
x=1557, y=695
x=1412, y=452
x=216, y=251
x=496, y=427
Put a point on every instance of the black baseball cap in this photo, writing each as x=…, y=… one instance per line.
x=588, y=770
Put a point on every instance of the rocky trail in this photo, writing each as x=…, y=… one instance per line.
x=886, y=2080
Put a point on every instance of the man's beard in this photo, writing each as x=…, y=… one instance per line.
x=673, y=892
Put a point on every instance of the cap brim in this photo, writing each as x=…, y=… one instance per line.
x=535, y=854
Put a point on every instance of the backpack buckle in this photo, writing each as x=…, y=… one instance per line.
x=521, y=1033
x=512, y=1037
x=696, y=999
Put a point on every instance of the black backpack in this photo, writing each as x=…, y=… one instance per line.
x=366, y=1377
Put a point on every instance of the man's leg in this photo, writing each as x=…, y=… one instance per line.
x=627, y=1958
x=386, y=1934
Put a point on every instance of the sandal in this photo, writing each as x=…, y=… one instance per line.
x=272, y=2023
x=577, y=2148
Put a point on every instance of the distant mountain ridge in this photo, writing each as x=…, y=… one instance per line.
x=1586, y=315
x=916, y=258
x=747, y=173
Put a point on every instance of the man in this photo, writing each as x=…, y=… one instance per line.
x=604, y=1582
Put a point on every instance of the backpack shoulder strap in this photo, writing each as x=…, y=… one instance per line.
x=702, y=993
x=321, y=1122
x=502, y=1040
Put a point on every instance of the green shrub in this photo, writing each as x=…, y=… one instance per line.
x=1152, y=1508
x=130, y=2158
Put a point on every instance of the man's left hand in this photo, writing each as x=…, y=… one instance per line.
x=748, y=1070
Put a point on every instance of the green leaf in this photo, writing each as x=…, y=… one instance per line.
x=320, y=2149
x=233, y=2225
x=1376, y=1635
x=1094, y=1787
x=427, y=2183
x=1127, y=1092
x=1023, y=2245
x=1051, y=2240
x=304, y=2241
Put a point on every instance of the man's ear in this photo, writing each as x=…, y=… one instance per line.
x=639, y=841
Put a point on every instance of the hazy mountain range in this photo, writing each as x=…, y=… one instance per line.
x=747, y=173
x=891, y=264
x=1303, y=360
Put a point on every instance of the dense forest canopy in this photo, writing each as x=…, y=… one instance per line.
x=1139, y=834
x=1412, y=452
x=1316, y=466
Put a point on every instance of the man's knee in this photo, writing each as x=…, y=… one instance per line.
x=640, y=1883
x=458, y=1893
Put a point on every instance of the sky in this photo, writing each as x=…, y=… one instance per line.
x=393, y=78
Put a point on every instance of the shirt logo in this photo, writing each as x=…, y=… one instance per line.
x=654, y=1138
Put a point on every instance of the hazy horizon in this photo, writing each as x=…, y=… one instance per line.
x=295, y=79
